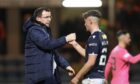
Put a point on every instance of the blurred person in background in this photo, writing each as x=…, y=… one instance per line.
x=2, y=36
x=120, y=60
x=95, y=53
x=41, y=56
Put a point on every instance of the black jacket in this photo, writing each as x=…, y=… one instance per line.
x=40, y=49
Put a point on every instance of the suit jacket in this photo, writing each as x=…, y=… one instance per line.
x=40, y=51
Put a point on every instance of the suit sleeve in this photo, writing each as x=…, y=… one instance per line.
x=61, y=61
x=41, y=39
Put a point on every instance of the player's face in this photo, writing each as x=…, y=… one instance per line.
x=87, y=23
x=127, y=39
x=45, y=18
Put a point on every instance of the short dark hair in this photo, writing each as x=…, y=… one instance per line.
x=38, y=12
x=94, y=13
x=122, y=32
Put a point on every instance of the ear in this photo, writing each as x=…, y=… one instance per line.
x=121, y=37
x=91, y=22
x=37, y=18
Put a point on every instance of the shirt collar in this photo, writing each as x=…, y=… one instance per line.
x=95, y=31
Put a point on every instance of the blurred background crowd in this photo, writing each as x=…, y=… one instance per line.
x=117, y=14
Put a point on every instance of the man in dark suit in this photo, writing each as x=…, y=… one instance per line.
x=41, y=57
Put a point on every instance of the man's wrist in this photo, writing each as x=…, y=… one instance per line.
x=66, y=39
x=78, y=78
x=75, y=44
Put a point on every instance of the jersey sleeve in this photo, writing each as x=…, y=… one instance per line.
x=125, y=56
x=110, y=59
x=93, y=46
x=107, y=70
x=108, y=66
x=134, y=59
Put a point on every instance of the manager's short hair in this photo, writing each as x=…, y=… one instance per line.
x=38, y=12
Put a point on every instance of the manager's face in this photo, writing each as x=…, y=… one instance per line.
x=45, y=18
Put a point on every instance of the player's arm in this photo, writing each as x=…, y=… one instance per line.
x=127, y=57
x=108, y=68
x=78, y=48
x=92, y=55
x=86, y=68
x=132, y=59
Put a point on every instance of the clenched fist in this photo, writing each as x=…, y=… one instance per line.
x=70, y=70
x=71, y=37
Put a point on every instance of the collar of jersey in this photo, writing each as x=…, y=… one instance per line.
x=96, y=31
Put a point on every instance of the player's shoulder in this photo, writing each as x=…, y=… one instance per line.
x=98, y=35
x=118, y=50
x=102, y=35
x=94, y=37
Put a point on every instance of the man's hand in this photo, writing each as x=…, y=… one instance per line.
x=73, y=43
x=71, y=37
x=74, y=80
x=70, y=70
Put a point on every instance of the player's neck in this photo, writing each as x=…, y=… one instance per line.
x=122, y=45
x=94, y=29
